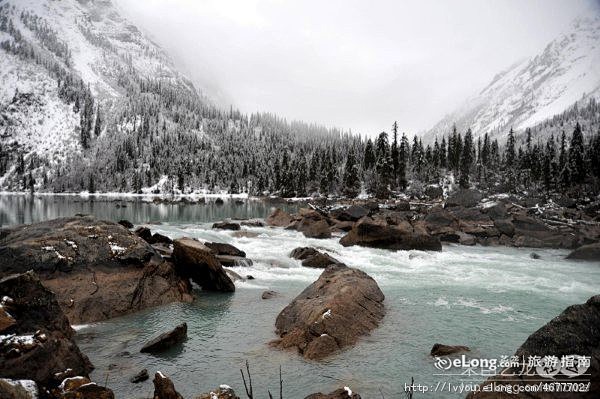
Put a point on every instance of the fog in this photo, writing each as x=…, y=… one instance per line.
x=356, y=65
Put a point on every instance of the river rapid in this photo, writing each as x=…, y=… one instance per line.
x=488, y=298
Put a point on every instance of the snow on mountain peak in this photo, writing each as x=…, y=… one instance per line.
x=530, y=91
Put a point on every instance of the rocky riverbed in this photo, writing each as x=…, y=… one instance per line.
x=96, y=270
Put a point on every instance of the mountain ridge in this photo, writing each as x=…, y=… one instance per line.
x=535, y=89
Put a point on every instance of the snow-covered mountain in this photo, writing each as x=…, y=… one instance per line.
x=53, y=56
x=529, y=92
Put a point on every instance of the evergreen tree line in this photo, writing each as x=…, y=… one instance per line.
x=162, y=128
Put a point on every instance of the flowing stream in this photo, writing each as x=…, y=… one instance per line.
x=490, y=299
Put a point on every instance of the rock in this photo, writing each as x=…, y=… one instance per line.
x=158, y=238
x=574, y=332
x=342, y=393
x=279, y=218
x=196, y=261
x=223, y=392
x=465, y=239
x=534, y=255
x=313, y=225
x=226, y=226
x=6, y=320
x=401, y=206
x=352, y=213
x=249, y=277
x=445, y=350
x=467, y=198
x=342, y=226
x=89, y=391
x=310, y=257
x=221, y=248
x=18, y=389
x=69, y=244
x=375, y=234
x=497, y=211
x=166, y=340
x=233, y=261
x=586, y=252
x=439, y=218
x=72, y=383
x=268, y=294
x=97, y=269
x=234, y=276
x=144, y=233
x=344, y=304
x=40, y=344
x=164, y=388
x=140, y=377
x=219, y=201
x=505, y=227
x=253, y=223
x=434, y=192
x=126, y=223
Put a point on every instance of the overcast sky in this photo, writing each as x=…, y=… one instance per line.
x=353, y=64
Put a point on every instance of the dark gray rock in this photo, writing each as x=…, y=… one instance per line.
x=166, y=340
x=467, y=198
x=589, y=252
x=196, y=261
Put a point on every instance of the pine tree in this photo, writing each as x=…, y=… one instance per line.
x=576, y=156
x=466, y=159
x=369, y=157
x=510, y=150
x=98, y=123
x=395, y=153
x=351, y=180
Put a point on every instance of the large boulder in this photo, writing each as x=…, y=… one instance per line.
x=576, y=331
x=466, y=198
x=196, y=261
x=40, y=344
x=350, y=214
x=342, y=393
x=164, y=387
x=166, y=340
x=332, y=313
x=586, y=252
x=313, y=225
x=97, y=269
x=71, y=244
x=311, y=257
x=377, y=234
x=279, y=218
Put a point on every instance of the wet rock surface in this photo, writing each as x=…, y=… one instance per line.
x=97, y=269
x=332, y=313
x=197, y=261
x=576, y=331
x=40, y=344
x=166, y=340
x=311, y=257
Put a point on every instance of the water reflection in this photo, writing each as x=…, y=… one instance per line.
x=19, y=209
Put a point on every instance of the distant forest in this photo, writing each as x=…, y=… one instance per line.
x=162, y=127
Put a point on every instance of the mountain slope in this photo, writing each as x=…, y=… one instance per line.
x=531, y=91
x=90, y=103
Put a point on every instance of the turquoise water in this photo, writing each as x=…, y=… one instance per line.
x=490, y=299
